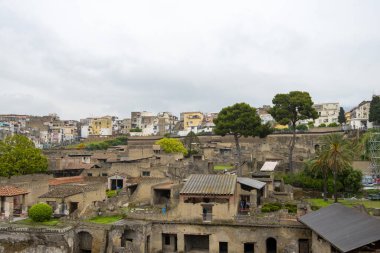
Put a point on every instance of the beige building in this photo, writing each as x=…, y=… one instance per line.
x=100, y=126
x=327, y=113
x=77, y=197
x=218, y=197
x=360, y=115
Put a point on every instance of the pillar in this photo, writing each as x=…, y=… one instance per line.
x=181, y=243
x=24, y=208
x=8, y=207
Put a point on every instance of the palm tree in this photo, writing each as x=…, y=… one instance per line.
x=320, y=165
x=337, y=153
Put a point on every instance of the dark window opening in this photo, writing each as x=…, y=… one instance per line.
x=223, y=247
x=249, y=247
x=271, y=244
x=167, y=240
x=146, y=173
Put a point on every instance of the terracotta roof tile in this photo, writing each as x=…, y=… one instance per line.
x=9, y=190
x=66, y=180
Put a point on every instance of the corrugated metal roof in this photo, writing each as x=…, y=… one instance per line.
x=345, y=228
x=251, y=182
x=210, y=185
x=269, y=166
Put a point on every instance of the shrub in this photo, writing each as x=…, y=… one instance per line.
x=333, y=124
x=271, y=207
x=302, y=127
x=322, y=125
x=291, y=208
x=40, y=212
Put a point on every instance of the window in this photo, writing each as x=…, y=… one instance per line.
x=223, y=247
x=89, y=174
x=104, y=174
x=249, y=247
x=146, y=173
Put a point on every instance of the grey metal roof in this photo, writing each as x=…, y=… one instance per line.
x=251, y=182
x=345, y=228
x=210, y=185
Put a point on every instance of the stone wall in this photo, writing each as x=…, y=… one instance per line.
x=235, y=236
x=36, y=240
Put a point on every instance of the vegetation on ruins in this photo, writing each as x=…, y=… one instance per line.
x=105, y=219
x=240, y=120
x=19, y=156
x=172, y=145
x=103, y=145
x=341, y=116
x=290, y=108
x=273, y=207
x=191, y=143
x=40, y=212
x=374, y=110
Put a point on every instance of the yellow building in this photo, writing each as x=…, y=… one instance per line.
x=100, y=126
x=192, y=119
x=347, y=115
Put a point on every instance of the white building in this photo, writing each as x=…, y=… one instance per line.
x=327, y=113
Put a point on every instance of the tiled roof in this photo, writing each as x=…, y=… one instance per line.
x=9, y=190
x=210, y=185
x=63, y=191
x=65, y=180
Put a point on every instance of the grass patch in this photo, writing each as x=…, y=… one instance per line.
x=223, y=167
x=347, y=202
x=30, y=222
x=105, y=219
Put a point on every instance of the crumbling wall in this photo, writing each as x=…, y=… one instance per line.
x=31, y=240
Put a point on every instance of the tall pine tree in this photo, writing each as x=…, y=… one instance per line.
x=341, y=117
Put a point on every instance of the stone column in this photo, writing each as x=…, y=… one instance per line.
x=24, y=208
x=180, y=242
x=8, y=207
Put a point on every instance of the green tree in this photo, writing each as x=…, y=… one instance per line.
x=290, y=108
x=337, y=152
x=240, y=120
x=171, y=145
x=374, y=110
x=341, y=117
x=190, y=140
x=19, y=156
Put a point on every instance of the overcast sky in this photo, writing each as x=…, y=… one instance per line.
x=93, y=58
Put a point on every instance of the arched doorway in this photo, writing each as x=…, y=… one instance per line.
x=84, y=242
x=271, y=245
